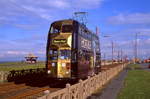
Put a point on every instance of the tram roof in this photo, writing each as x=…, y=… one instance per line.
x=82, y=25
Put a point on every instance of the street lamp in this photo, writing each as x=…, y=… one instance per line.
x=112, y=48
x=136, y=48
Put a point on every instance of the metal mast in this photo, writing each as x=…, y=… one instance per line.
x=136, y=49
x=112, y=51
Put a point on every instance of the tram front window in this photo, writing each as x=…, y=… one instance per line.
x=53, y=54
x=67, y=28
x=55, y=29
x=65, y=54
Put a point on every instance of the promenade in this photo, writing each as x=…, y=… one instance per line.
x=112, y=89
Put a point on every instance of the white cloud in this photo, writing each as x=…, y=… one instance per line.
x=140, y=31
x=41, y=52
x=16, y=52
x=87, y=3
x=26, y=26
x=60, y=4
x=47, y=9
x=135, y=18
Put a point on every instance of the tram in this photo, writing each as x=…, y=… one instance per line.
x=73, y=51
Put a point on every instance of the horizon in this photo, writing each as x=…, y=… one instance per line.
x=24, y=25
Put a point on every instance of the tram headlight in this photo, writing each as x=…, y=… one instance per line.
x=63, y=64
x=67, y=72
x=53, y=64
x=48, y=71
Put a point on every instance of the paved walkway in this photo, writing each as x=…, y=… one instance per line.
x=112, y=89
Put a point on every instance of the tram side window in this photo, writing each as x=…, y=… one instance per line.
x=53, y=58
x=67, y=28
x=51, y=52
x=97, y=57
x=80, y=30
x=55, y=29
x=74, y=55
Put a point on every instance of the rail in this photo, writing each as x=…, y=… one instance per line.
x=85, y=88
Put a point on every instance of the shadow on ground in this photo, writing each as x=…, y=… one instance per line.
x=36, y=78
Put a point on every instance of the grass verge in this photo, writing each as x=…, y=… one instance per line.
x=20, y=66
x=136, y=85
x=134, y=66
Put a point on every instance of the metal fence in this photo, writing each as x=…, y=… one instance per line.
x=85, y=88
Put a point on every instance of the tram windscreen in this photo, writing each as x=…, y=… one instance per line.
x=65, y=54
x=55, y=28
x=67, y=28
x=53, y=54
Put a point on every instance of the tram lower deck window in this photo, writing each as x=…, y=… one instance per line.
x=53, y=52
x=53, y=58
x=65, y=54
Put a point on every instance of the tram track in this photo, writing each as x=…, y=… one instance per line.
x=33, y=94
x=20, y=91
x=6, y=84
x=10, y=90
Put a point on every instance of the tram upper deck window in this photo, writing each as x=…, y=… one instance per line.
x=55, y=28
x=67, y=28
x=65, y=54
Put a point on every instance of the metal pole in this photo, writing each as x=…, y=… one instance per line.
x=118, y=56
x=112, y=51
x=121, y=55
x=104, y=59
x=135, y=50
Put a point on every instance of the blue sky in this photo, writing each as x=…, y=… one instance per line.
x=24, y=24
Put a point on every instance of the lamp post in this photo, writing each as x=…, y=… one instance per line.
x=135, y=49
x=104, y=59
x=121, y=55
x=112, y=48
x=112, y=44
x=118, y=56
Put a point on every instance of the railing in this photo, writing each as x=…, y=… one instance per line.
x=3, y=76
x=85, y=88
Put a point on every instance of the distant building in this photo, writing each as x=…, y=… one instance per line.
x=136, y=60
x=31, y=58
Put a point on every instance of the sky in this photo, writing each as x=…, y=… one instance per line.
x=24, y=25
